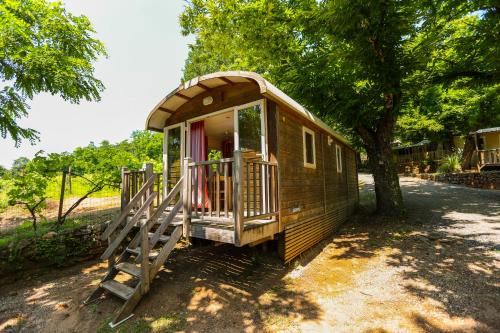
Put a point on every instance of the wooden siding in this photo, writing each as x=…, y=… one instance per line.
x=314, y=201
x=301, y=188
x=298, y=237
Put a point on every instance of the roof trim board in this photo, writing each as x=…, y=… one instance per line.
x=267, y=89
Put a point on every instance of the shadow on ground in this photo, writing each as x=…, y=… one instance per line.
x=447, y=246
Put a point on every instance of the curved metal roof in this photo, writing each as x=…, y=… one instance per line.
x=194, y=87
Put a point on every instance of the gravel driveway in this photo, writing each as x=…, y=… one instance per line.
x=454, y=210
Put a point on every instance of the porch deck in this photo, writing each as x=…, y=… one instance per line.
x=240, y=207
x=488, y=158
x=223, y=230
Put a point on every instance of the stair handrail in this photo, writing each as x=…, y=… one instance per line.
x=159, y=210
x=126, y=229
x=165, y=251
x=112, y=226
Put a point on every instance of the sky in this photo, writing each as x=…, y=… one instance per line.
x=146, y=54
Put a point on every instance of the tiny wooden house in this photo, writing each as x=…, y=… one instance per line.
x=260, y=165
x=243, y=164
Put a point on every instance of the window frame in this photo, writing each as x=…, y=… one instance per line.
x=338, y=157
x=313, y=135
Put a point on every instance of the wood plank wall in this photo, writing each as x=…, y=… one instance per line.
x=314, y=202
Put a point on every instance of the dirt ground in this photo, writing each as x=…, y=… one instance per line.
x=437, y=270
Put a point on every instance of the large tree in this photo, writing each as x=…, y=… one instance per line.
x=349, y=61
x=43, y=48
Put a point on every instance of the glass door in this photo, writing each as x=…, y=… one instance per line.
x=250, y=130
x=173, y=146
x=250, y=140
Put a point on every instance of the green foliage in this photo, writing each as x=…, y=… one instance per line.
x=94, y=169
x=19, y=164
x=352, y=62
x=171, y=322
x=43, y=48
x=29, y=190
x=451, y=163
x=25, y=230
x=214, y=154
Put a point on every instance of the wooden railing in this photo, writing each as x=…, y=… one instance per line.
x=260, y=189
x=211, y=189
x=119, y=232
x=234, y=190
x=141, y=203
x=132, y=181
x=488, y=156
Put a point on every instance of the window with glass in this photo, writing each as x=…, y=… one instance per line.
x=338, y=156
x=309, y=148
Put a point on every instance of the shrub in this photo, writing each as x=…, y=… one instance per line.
x=451, y=163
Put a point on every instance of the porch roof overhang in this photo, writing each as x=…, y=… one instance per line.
x=486, y=130
x=201, y=84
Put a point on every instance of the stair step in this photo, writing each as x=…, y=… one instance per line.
x=137, y=251
x=118, y=289
x=163, y=238
x=129, y=268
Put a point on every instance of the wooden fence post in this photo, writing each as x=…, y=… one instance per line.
x=61, y=197
x=148, y=172
x=70, y=183
x=186, y=199
x=238, y=197
x=125, y=188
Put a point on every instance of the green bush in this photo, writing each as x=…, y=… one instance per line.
x=451, y=163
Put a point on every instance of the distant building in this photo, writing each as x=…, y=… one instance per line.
x=486, y=155
x=423, y=156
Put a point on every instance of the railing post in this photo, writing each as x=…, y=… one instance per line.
x=148, y=172
x=186, y=199
x=238, y=197
x=145, y=259
x=125, y=188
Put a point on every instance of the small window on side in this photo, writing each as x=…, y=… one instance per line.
x=309, y=148
x=338, y=156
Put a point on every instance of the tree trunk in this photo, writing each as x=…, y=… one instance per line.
x=469, y=147
x=385, y=175
x=33, y=217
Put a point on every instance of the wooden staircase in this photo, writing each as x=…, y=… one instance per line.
x=140, y=240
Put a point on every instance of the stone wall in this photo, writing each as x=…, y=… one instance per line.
x=53, y=249
x=487, y=180
x=417, y=167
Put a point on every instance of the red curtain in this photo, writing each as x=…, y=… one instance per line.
x=199, y=152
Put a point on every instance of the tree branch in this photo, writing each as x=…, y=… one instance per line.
x=96, y=188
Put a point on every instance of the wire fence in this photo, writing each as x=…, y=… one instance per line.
x=100, y=205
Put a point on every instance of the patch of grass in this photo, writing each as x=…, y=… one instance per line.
x=4, y=188
x=130, y=326
x=79, y=187
x=171, y=322
x=26, y=231
x=93, y=307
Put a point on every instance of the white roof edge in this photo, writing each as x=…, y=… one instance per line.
x=273, y=91
x=266, y=88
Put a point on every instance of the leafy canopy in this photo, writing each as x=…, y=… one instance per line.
x=43, y=48
x=352, y=62
x=339, y=58
x=99, y=166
